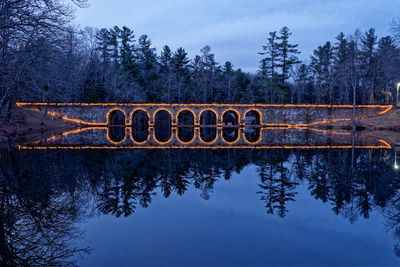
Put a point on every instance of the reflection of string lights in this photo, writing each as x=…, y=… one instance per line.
x=231, y=142
x=116, y=142
x=75, y=131
x=253, y=142
x=208, y=142
x=186, y=142
x=163, y=142
x=199, y=147
x=332, y=132
x=197, y=136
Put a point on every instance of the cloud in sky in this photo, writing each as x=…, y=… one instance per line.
x=236, y=30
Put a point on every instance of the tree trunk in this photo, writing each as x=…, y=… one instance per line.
x=354, y=106
x=44, y=115
x=179, y=90
x=169, y=88
x=3, y=102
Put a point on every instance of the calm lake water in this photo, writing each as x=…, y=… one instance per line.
x=205, y=207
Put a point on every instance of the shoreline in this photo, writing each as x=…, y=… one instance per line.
x=28, y=126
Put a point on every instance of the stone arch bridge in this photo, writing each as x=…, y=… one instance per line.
x=268, y=115
x=106, y=125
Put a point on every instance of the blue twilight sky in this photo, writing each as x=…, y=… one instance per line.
x=236, y=30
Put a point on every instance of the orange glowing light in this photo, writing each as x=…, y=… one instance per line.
x=77, y=121
x=208, y=107
x=21, y=147
x=255, y=142
x=22, y=104
x=187, y=142
x=230, y=142
x=136, y=110
x=163, y=109
x=185, y=109
x=108, y=115
x=120, y=142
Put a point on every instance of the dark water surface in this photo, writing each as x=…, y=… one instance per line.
x=228, y=207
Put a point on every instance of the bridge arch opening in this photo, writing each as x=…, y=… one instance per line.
x=252, y=122
x=162, y=126
x=230, y=117
x=252, y=117
x=230, y=126
x=185, y=120
x=116, y=117
x=116, y=131
x=208, y=125
x=140, y=125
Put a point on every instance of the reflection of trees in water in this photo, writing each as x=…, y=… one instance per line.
x=50, y=188
x=393, y=221
x=38, y=212
x=352, y=191
x=277, y=186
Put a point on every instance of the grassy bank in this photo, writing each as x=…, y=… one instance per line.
x=28, y=126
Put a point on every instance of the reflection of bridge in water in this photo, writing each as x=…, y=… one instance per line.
x=205, y=126
x=266, y=138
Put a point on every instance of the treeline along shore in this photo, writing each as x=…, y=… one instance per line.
x=44, y=57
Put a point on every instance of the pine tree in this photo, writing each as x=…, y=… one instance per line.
x=228, y=71
x=270, y=51
x=322, y=65
x=114, y=43
x=166, y=67
x=340, y=62
x=286, y=59
x=210, y=66
x=302, y=85
x=103, y=46
x=180, y=63
x=388, y=71
x=368, y=64
x=127, y=51
x=268, y=66
x=146, y=54
x=147, y=62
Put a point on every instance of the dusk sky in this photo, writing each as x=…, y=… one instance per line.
x=236, y=30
